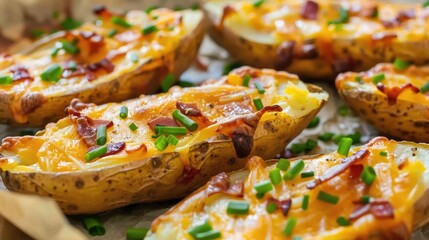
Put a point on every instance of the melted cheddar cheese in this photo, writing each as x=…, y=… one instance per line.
x=400, y=179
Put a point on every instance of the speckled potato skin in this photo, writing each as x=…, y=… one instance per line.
x=155, y=179
x=144, y=80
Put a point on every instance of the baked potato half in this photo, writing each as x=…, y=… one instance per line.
x=318, y=38
x=341, y=201
x=159, y=147
x=114, y=59
x=393, y=99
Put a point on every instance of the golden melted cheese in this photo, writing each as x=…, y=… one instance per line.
x=401, y=186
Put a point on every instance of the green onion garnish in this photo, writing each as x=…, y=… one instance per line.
x=170, y=28
x=342, y=221
x=183, y=119
x=172, y=140
x=133, y=57
x=185, y=84
x=124, y=112
x=69, y=47
x=296, y=168
x=358, y=79
x=52, y=73
x=271, y=207
x=149, y=9
x=205, y=227
x=258, y=3
x=120, y=22
x=307, y=174
x=93, y=226
x=4, y=80
x=365, y=199
x=400, y=64
x=136, y=233
x=212, y=234
x=101, y=135
x=325, y=137
x=342, y=18
x=425, y=88
x=343, y=111
x=237, y=207
x=246, y=80
x=69, y=23
x=344, y=146
x=383, y=154
x=98, y=152
x=112, y=32
x=368, y=175
x=305, y=200
x=275, y=176
x=167, y=82
x=426, y=3
x=258, y=103
x=166, y=130
x=378, y=78
x=310, y=144
x=36, y=33
x=161, y=143
x=298, y=148
x=258, y=86
x=314, y=122
x=26, y=132
x=149, y=29
x=54, y=51
x=133, y=127
x=290, y=225
x=326, y=197
x=263, y=187
x=283, y=164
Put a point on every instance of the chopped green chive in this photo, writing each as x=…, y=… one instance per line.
x=258, y=103
x=212, y=234
x=101, y=135
x=342, y=221
x=365, y=199
x=290, y=225
x=258, y=86
x=355, y=137
x=185, y=84
x=112, y=32
x=305, y=200
x=246, y=80
x=237, y=208
x=343, y=111
x=310, y=144
x=358, y=79
x=307, y=174
x=314, y=122
x=167, y=82
x=37, y=33
x=368, y=175
x=172, y=140
x=166, y=130
x=52, y=73
x=426, y=3
x=298, y=148
x=271, y=207
x=120, y=22
x=26, y=132
x=98, y=152
x=4, y=80
x=136, y=233
x=161, y=143
x=383, y=154
x=149, y=9
x=69, y=23
x=69, y=47
x=378, y=78
x=258, y=3
x=283, y=164
x=400, y=64
x=149, y=29
x=344, y=146
x=54, y=51
x=94, y=226
x=342, y=18
x=170, y=28
x=124, y=112
x=133, y=57
x=183, y=119
x=326, y=197
x=338, y=27
x=133, y=127
x=205, y=227
x=325, y=137
x=425, y=88
x=296, y=168
x=275, y=176
x=230, y=66
x=263, y=187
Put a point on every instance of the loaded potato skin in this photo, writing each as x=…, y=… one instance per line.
x=318, y=38
x=336, y=201
x=108, y=156
x=118, y=58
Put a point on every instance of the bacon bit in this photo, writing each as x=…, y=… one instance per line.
x=283, y=205
x=79, y=71
x=20, y=72
x=284, y=54
x=393, y=93
x=105, y=64
x=402, y=17
x=102, y=11
x=368, y=10
x=356, y=171
x=135, y=148
x=99, y=122
x=188, y=175
x=220, y=184
x=200, y=65
x=86, y=128
x=189, y=109
x=127, y=36
x=309, y=10
x=381, y=209
x=31, y=101
x=76, y=105
x=162, y=121
x=9, y=142
x=92, y=37
x=340, y=168
x=113, y=148
x=359, y=211
x=227, y=12
x=384, y=36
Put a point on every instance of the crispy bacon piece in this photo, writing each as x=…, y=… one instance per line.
x=340, y=168
x=384, y=36
x=284, y=54
x=162, y=121
x=102, y=11
x=284, y=205
x=189, y=109
x=309, y=10
x=393, y=93
x=221, y=184
x=86, y=131
x=113, y=148
x=402, y=17
x=188, y=175
x=105, y=64
x=356, y=171
x=365, y=9
x=128, y=36
x=76, y=105
x=227, y=12
x=135, y=148
x=20, y=72
x=379, y=208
